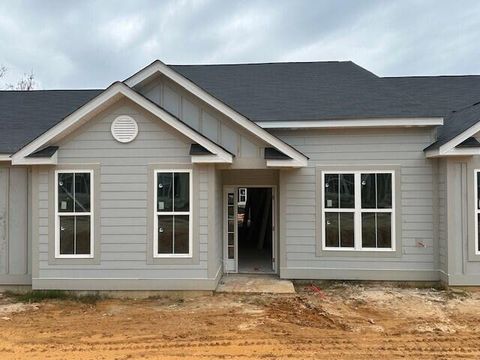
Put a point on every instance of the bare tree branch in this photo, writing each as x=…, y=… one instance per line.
x=27, y=82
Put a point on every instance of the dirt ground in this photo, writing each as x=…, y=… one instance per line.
x=342, y=321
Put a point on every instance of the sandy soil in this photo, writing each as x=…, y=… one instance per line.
x=340, y=322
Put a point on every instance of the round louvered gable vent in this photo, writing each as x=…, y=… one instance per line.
x=124, y=129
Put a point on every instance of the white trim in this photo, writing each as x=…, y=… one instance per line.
x=454, y=152
x=476, y=209
x=370, y=122
x=91, y=214
x=5, y=157
x=357, y=211
x=159, y=67
x=207, y=159
x=156, y=213
x=446, y=148
x=289, y=163
x=52, y=160
x=80, y=116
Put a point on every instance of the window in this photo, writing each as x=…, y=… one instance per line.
x=172, y=221
x=358, y=210
x=242, y=196
x=73, y=214
x=477, y=212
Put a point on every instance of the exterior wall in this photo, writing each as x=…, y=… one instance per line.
x=208, y=121
x=463, y=262
x=442, y=218
x=124, y=210
x=400, y=149
x=15, y=255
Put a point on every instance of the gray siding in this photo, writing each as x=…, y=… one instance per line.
x=395, y=147
x=15, y=268
x=124, y=209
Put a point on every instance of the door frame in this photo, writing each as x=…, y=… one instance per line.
x=275, y=222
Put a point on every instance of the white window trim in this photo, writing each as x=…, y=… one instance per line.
x=476, y=173
x=58, y=214
x=357, y=210
x=156, y=213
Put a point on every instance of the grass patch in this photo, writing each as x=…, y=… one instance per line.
x=42, y=295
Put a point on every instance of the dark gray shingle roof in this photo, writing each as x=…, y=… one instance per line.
x=24, y=115
x=302, y=91
x=454, y=97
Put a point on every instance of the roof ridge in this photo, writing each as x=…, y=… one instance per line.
x=269, y=63
x=429, y=76
x=46, y=90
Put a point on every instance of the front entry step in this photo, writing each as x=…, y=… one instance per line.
x=259, y=284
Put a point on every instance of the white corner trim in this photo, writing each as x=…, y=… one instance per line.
x=323, y=124
x=5, y=157
x=77, y=118
x=159, y=67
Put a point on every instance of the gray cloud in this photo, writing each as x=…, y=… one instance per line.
x=87, y=44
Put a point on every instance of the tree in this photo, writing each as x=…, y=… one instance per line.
x=27, y=82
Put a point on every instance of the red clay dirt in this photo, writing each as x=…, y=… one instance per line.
x=340, y=322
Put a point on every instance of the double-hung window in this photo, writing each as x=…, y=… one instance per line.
x=73, y=214
x=358, y=210
x=172, y=218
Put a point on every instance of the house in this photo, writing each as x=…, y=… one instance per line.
x=182, y=173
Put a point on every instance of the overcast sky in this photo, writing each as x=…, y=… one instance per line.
x=90, y=44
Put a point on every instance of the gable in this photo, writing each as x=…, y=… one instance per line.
x=297, y=159
x=208, y=121
x=110, y=96
x=155, y=142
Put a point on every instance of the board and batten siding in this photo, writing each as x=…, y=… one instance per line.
x=15, y=254
x=204, y=119
x=123, y=261
x=401, y=148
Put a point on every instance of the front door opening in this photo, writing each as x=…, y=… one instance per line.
x=255, y=230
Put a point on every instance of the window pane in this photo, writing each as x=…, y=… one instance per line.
x=331, y=190
x=82, y=232
x=346, y=230
x=368, y=230
x=164, y=191
x=384, y=230
x=165, y=234
x=65, y=192
x=347, y=191
x=384, y=191
x=182, y=191
x=230, y=198
x=368, y=191
x=231, y=252
x=82, y=192
x=181, y=234
x=231, y=238
x=331, y=229
x=66, y=235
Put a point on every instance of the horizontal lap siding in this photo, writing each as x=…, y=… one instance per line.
x=442, y=214
x=124, y=199
x=398, y=147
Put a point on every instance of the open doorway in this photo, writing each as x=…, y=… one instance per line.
x=255, y=230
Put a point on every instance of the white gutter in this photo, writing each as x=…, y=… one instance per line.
x=322, y=124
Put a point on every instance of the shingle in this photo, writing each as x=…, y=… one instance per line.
x=24, y=115
x=302, y=91
x=453, y=97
